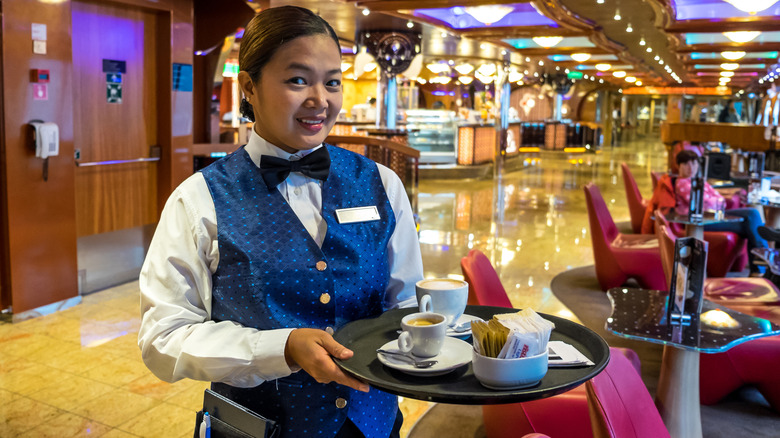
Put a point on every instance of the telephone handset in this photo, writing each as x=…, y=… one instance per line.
x=46, y=136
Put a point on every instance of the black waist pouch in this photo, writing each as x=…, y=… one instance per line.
x=231, y=420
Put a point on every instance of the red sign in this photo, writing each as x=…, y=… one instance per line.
x=40, y=92
x=706, y=91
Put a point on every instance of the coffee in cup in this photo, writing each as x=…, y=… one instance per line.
x=423, y=334
x=443, y=295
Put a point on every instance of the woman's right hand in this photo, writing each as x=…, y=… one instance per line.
x=314, y=350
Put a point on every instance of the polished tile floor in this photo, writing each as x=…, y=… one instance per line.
x=79, y=372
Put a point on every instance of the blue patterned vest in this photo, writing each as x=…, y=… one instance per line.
x=271, y=275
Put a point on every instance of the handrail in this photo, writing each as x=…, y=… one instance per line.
x=389, y=144
x=109, y=162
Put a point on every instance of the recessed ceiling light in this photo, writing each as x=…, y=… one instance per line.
x=642, y=41
x=617, y=15
x=729, y=66
x=619, y=74
x=580, y=57
x=629, y=29
x=366, y=11
x=603, y=67
x=548, y=41
x=732, y=55
x=742, y=36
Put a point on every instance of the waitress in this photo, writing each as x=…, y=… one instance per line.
x=253, y=265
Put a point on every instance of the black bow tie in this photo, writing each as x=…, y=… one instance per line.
x=314, y=165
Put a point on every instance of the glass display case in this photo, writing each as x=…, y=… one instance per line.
x=433, y=133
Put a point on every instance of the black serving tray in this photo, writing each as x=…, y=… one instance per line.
x=461, y=386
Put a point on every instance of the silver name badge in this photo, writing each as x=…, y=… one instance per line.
x=357, y=214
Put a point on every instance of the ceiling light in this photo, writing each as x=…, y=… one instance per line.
x=541, y=63
x=438, y=67
x=743, y=36
x=580, y=57
x=421, y=81
x=642, y=41
x=630, y=79
x=515, y=76
x=548, y=41
x=600, y=2
x=487, y=69
x=465, y=80
x=464, y=68
x=485, y=79
x=483, y=46
x=725, y=80
x=649, y=49
x=617, y=15
x=729, y=66
x=751, y=6
x=638, y=83
x=629, y=29
x=619, y=74
x=444, y=34
x=440, y=80
x=410, y=24
x=603, y=67
x=732, y=56
x=601, y=81
x=661, y=61
x=489, y=14
x=366, y=11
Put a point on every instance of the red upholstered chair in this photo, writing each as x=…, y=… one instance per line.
x=617, y=256
x=511, y=420
x=746, y=364
x=620, y=405
x=728, y=250
x=636, y=205
x=725, y=291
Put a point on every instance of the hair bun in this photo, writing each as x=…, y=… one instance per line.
x=246, y=110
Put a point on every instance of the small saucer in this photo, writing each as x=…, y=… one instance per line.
x=454, y=354
x=463, y=318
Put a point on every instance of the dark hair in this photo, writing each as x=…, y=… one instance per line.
x=271, y=29
x=686, y=156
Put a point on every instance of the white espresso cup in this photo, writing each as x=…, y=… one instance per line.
x=423, y=334
x=443, y=295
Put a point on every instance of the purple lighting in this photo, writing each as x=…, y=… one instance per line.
x=695, y=9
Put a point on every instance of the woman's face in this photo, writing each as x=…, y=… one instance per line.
x=297, y=96
x=689, y=169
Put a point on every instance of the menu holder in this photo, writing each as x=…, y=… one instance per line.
x=685, y=295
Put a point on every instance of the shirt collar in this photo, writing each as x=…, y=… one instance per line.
x=258, y=146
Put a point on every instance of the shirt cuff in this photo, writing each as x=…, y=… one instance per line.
x=269, y=353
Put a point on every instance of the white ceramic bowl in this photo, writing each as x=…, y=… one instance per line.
x=509, y=373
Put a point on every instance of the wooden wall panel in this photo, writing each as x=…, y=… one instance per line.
x=115, y=198
x=40, y=266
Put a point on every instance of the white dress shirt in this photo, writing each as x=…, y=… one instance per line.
x=177, y=337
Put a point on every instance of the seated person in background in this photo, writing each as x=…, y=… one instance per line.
x=688, y=164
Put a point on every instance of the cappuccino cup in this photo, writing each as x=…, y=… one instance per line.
x=423, y=334
x=443, y=295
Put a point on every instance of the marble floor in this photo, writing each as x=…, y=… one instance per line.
x=79, y=372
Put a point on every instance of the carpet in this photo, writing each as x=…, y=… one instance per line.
x=743, y=414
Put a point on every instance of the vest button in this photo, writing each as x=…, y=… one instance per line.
x=321, y=265
x=325, y=298
x=329, y=330
x=341, y=403
x=297, y=191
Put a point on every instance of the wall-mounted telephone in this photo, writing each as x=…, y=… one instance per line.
x=46, y=137
x=46, y=141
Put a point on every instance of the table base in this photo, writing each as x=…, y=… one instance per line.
x=678, y=387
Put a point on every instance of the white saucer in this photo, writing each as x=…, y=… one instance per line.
x=463, y=318
x=454, y=354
